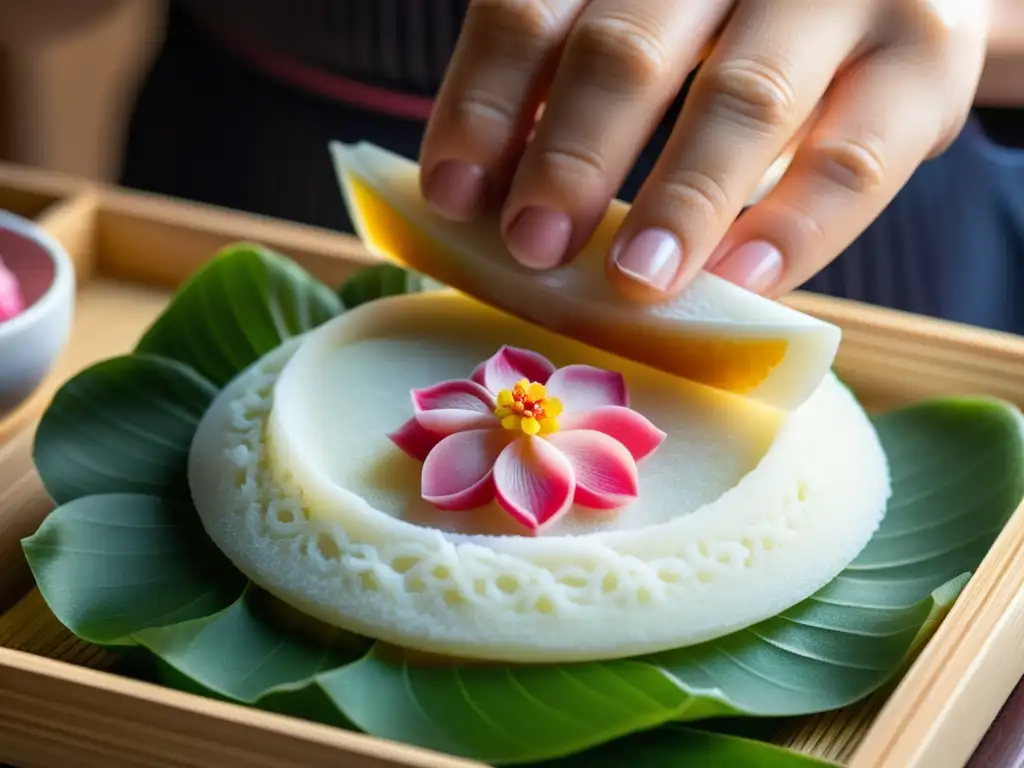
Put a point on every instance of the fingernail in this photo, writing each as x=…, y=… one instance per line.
x=455, y=189
x=653, y=257
x=539, y=237
x=755, y=266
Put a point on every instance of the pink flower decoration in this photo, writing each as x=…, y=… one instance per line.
x=534, y=438
x=11, y=302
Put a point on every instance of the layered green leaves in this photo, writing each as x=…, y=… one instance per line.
x=112, y=565
x=126, y=551
x=502, y=714
x=829, y=651
x=122, y=426
x=245, y=650
x=956, y=476
x=132, y=565
x=237, y=308
x=678, y=747
x=505, y=713
x=381, y=281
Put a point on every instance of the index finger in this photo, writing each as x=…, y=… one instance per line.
x=487, y=103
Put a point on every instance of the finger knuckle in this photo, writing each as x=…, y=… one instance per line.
x=926, y=22
x=937, y=30
x=755, y=92
x=856, y=165
x=804, y=234
x=480, y=109
x=515, y=27
x=695, y=194
x=579, y=164
x=620, y=52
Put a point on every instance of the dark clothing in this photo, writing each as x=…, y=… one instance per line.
x=208, y=128
x=403, y=45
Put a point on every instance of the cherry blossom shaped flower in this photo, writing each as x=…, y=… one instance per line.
x=11, y=302
x=532, y=437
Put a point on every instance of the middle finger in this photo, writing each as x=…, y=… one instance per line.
x=623, y=63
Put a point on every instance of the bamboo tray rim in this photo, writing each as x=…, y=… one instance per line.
x=40, y=670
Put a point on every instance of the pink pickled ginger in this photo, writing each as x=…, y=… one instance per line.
x=11, y=302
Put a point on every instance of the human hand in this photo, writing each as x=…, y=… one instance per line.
x=878, y=86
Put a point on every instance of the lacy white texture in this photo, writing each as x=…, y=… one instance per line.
x=779, y=535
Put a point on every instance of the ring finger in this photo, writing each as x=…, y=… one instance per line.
x=864, y=148
x=771, y=67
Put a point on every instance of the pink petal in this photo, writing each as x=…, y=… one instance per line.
x=11, y=302
x=461, y=394
x=448, y=422
x=458, y=473
x=478, y=373
x=414, y=439
x=606, y=475
x=632, y=429
x=533, y=482
x=454, y=406
x=584, y=388
x=510, y=365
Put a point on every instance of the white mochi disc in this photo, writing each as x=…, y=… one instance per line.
x=743, y=511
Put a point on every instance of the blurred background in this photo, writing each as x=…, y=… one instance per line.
x=70, y=71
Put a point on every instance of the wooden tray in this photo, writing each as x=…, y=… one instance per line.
x=59, y=708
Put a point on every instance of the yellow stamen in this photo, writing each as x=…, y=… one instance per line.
x=526, y=407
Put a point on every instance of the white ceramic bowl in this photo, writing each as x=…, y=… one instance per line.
x=32, y=341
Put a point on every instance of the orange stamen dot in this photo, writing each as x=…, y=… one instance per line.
x=527, y=408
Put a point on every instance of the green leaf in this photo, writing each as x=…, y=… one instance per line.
x=122, y=426
x=677, y=746
x=958, y=473
x=241, y=305
x=251, y=648
x=109, y=566
x=505, y=713
x=381, y=280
